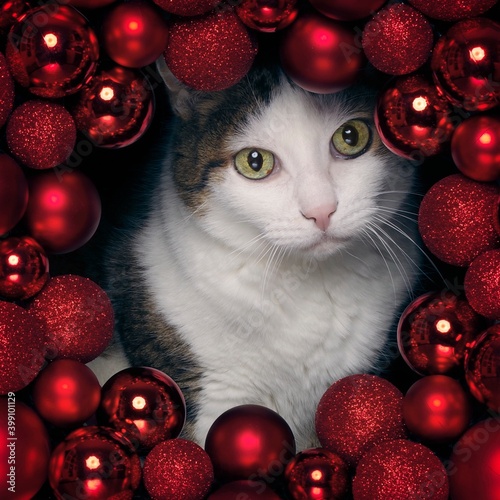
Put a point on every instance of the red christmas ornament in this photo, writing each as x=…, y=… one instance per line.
x=10, y=12
x=210, y=53
x=134, y=34
x=116, y=109
x=24, y=451
x=482, y=285
x=451, y=10
x=21, y=355
x=13, y=193
x=77, y=316
x=24, y=268
x=465, y=61
x=435, y=330
x=400, y=469
x=356, y=413
x=144, y=404
x=6, y=91
x=41, y=134
x=244, y=490
x=398, y=40
x=89, y=4
x=345, y=10
x=476, y=148
x=178, y=469
x=187, y=7
x=95, y=463
x=66, y=393
x=267, y=16
x=64, y=210
x=320, y=55
x=457, y=219
x=436, y=408
x=53, y=52
x=249, y=441
x=317, y=474
x=412, y=120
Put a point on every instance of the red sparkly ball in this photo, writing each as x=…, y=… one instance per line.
x=452, y=10
x=13, y=193
x=178, y=469
x=212, y=52
x=77, y=316
x=53, y=51
x=41, y=134
x=6, y=91
x=457, y=219
x=465, y=61
x=24, y=268
x=347, y=10
x=11, y=12
x=187, y=7
x=144, y=404
x=400, y=469
x=64, y=210
x=267, y=16
x=21, y=348
x=356, y=413
x=244, y=490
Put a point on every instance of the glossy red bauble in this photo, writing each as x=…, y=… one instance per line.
x=346, y=10
x=11, y=12
x=247, y=490
x=89, y=4
x=13, y=193
x=267, y=16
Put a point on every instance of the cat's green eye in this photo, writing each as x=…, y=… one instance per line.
x=352, y=139
x=254, y=163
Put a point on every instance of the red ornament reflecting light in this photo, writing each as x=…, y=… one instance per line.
x=267, y=15
x=13, y=193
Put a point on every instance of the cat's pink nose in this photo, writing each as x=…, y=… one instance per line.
x=321, y=215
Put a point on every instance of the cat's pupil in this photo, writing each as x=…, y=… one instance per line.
x=350, y=135
x=255, y=160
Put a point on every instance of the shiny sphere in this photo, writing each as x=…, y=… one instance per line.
x=347, y=10
x=267, y=16
x=13, y=193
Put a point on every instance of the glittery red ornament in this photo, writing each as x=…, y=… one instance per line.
x=400, y=469
x=412, y=120
x=53, y=52
x=13, y=193
x=346, y=10
x=6, y=91
x=145, y=404
x=244, y=490
x=267, y=16
x=465, y=61
x=116, y=109
x=452, y=10
x=398, y=40
x=24, y=268
x=63, y=211
x=21, y=347
x=187, y=7
x=77, y=316
x=435, y=330
x=247, y=441
x=456, y=219
x=89, y=4
x=317, y=474
x=94, y=463
x=178, y=469
x=210, y=53
x=41, y=134
x=356, y=413
x=10, y=12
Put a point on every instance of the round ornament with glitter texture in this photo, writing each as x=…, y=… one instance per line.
x=187, y=8
x=6, y=91
x=452, y=10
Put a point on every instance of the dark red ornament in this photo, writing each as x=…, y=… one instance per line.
x=212, y=52
x=452, y=10
x=6, y=91
x=53, y=51
x=435, y=330
x=64, y=210
x=465, y=62
x=398, y=40
x=178, y=469
x=320, y=55
x=356, y=413
x=345, y=10
x=13, y=193
x=24, y=268
x=89, y=4
x=116, y=109
x=95, y=463
x=145, y=404
x=267, y=16
x=244, y=490
x=187, y=7
x=10, y=12
x=412, y=120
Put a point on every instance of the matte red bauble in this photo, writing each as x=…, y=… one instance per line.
x=412, y=120
x=476, y=148
x=116, y=109
x=24, y=451
x=346, y=10
x=145, y=404
x=64, y=210
x=95, y=463
x=89, y=4
x=6, y=91
x=249, y=441
x=435, y=330
x=245, y=490
x=452, y=10
x=356, y=413
x=267, y=16
x=187, y=7
x=400, y=469
x=465, y=62
x=77, y=316
x=437, y=409
x=53, y=51
x=178, y=469
x=457, y=219
x=11, y=12
x=24, y=268
x=13, y=193
x=320, y=55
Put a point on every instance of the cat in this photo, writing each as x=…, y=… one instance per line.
x=277, y=249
